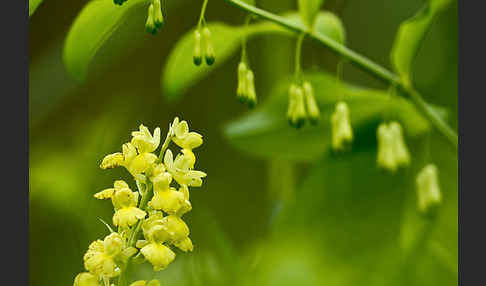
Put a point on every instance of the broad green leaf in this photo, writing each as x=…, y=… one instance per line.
x=98, y=20
x=308, y=10
x=33, y=5
x=410, y=35
x=346, y=223
x=265, y=131
x=180, y=73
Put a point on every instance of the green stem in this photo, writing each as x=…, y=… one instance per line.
x=243, y=40
x=165, y=145
x=147, y=195
x=360, y=61
x=203, y=11
x=298, y=51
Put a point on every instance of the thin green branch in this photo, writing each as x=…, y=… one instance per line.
x=358, y=60
x=298, y=51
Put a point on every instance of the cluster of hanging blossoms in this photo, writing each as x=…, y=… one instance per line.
x=156, y=207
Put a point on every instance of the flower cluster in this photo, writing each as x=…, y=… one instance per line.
x=392, y=150
x=156, y=208
x=342, y=133
x=246, y=85
x=199, y=42
x=155, y=19
x=302, y=105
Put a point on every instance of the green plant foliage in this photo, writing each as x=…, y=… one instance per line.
x=265, y=132
x=33, y=5
x=98, y=20
x=410, y=35
x=342, y=232
x=308, y=10
x=180, y=73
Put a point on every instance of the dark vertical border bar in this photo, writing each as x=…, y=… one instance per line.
x=472, y=191
x=14, y=33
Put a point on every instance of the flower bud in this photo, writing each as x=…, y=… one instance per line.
x=241, y=91
x=139, y=283
x=150, y=23
x=158, y=17
x=197, y=58
x=86, y=279
x=342, y=133
x=428, y=190
x=292, y=103
x=311, y=104
x=402, y=156
x=209, y=55
x=250, y=81
x=299, y=114
x=385, y=156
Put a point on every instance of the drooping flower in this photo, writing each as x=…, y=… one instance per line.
x=125, y=203
x=342, y=133
x=428, y=189
x=313, y=112
x=392, y=150
x=209, y=50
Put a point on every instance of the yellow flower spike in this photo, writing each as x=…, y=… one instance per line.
x=386, y=156
x=159, y=255
x=105, y=194
x=99, y=259
x=209, y=53
x=310, y=103
x=185, y=244
x=342, y=133
x=190, y=157
x=402, y=156
x=144, y=141
x=241, y=91
x=139, y=283
x=176, y=228
x=197, y=54
x=250, y=85
x=428, y=190
x=86, y=279
x=157, y=170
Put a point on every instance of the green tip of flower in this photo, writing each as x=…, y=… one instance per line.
x=197, y=60
x=119, y=2
x=209, y=60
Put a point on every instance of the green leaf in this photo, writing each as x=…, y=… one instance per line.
x=266, y=133
x=308, y=10
x=331, y=26
x=33, y=5
x=410, y=35
x=346, y=224
x=180, y=73
x=96, y=23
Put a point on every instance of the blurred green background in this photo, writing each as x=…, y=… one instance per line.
x=257, y=220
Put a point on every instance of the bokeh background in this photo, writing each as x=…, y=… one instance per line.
x=336, y=220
